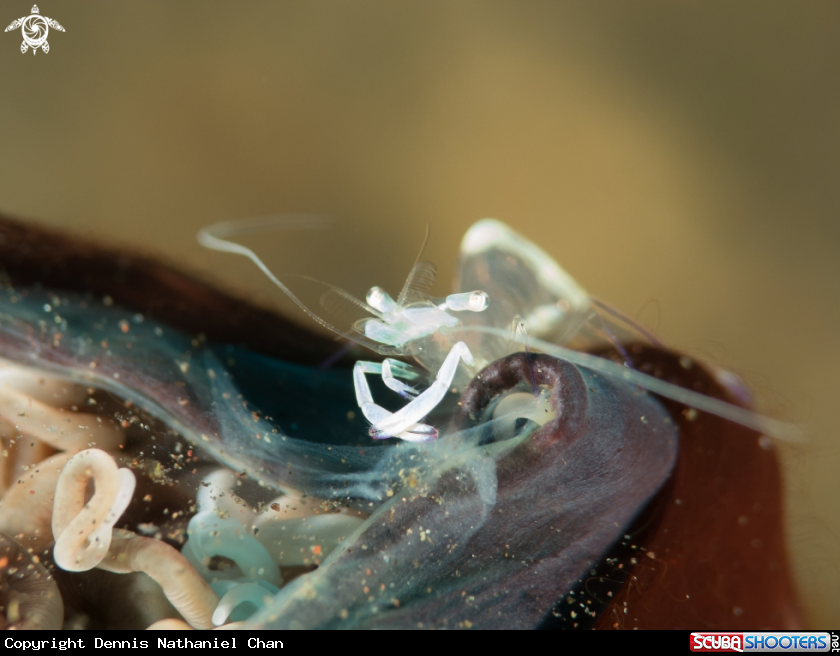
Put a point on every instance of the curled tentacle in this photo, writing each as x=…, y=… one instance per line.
x=82, y=530
x=190, y=594
x=36, y=415
x=219, y=529
x=212, y=536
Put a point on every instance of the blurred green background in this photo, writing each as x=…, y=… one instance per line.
x=680, y=159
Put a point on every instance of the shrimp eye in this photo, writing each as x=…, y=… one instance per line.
x=379, y=300
x=478, y=301
x=472, y=301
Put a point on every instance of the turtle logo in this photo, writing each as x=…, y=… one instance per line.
x=35, y=29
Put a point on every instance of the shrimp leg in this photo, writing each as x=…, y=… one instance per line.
x=407, y=419
x=413, y=432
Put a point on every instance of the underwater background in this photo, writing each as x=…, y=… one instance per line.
x=679, y=160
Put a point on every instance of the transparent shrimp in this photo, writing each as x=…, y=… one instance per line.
x=391, y=326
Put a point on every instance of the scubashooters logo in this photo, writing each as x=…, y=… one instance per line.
x=34, y=29
x=799, y=641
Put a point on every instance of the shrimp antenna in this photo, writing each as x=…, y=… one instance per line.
x=781, y=430
x=216, y=237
